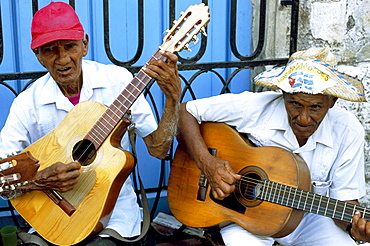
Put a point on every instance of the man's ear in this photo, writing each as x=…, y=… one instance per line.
x=333, y=101
x=85, y=42
x=37, y=54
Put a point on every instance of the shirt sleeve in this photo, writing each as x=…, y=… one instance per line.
x=349, y=176
x=14, y=136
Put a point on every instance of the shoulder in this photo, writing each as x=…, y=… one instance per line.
x=107, y=73
x=345, y=122
x=245, y=97
x=33, y=91
x=88, y=65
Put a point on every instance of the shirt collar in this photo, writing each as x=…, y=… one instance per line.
x=52, y=94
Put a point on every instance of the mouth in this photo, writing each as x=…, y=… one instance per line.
x=64, y=70
x=303, y=128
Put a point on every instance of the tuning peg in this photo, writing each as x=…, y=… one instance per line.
x=195, y=39
x=186, y=47
x=203, y=31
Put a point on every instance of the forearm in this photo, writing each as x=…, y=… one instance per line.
x=190, y=137
x=159, y=141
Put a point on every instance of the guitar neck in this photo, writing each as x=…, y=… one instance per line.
x=308, y=201
x=112, y=116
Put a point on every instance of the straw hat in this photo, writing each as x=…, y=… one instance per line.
x=313, y=71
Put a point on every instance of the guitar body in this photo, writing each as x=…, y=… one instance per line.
x=256, y=216
x=97, y=190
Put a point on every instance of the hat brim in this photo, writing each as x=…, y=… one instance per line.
x=339, y=84
x=49, y=37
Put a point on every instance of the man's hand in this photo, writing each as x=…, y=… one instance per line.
x=59, y=177
x=220, y=175
x=166, y=75
x=360, y=228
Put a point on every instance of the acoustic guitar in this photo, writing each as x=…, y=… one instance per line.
x=94, y=141
x=271, y=197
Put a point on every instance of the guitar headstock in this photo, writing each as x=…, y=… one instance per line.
x=184, y=30
x=17, y=170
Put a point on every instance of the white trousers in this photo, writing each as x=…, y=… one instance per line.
x=314, y=230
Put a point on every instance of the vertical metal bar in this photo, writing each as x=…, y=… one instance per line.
x=140, y=35
x=294, y=26
x=261, y=31
x=1, y=38
x=35, y=6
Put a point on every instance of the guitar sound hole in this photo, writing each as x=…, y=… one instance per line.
x=84, y=152
x=248, y=186
x=246, y=189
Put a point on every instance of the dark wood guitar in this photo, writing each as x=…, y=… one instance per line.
x=269, y=200
x=94, y=141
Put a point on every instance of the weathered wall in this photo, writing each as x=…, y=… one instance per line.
x=341, y=25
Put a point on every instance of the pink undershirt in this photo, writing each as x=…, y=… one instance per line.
x=75, y=99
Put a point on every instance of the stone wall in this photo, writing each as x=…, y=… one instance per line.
x=341, y=25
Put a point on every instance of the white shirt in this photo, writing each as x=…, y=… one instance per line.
x=334, y=153
x=40, y=108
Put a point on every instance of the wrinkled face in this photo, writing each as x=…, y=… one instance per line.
x=63, y=59
x=305, y=113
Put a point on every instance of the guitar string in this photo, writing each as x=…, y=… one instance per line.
x=331, y=204
x=313, y=199
x=305, y=203
x=139, y=86
x=289, y=198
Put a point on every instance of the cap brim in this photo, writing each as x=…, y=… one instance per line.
x=55, y=36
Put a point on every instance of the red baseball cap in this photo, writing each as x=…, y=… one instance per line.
x=55, y=21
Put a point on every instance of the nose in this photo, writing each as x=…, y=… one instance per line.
x=304, y=117
x=63, y=57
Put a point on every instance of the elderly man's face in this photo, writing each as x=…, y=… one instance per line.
x=305, y=113
x=63, y=60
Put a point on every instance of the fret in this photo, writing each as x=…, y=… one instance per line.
x=263, y=191
x=300, y=197
x=343, y=211
x=318, y=207
x=137, y=88
x=335, y=208
x=287, y=194
x=279, y=193
x=327, y=205
x=364, y=215
x=128, y=98
x=311, y=201
x=273, y=189
x=269, y=197
x=144, y=74
x=294, y=196
x=118, y=110
x=304, y=207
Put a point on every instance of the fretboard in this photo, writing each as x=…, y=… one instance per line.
x=308, y=201
x=112, y=116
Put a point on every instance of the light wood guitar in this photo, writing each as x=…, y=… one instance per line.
x=91, y=134
x=270, y=198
